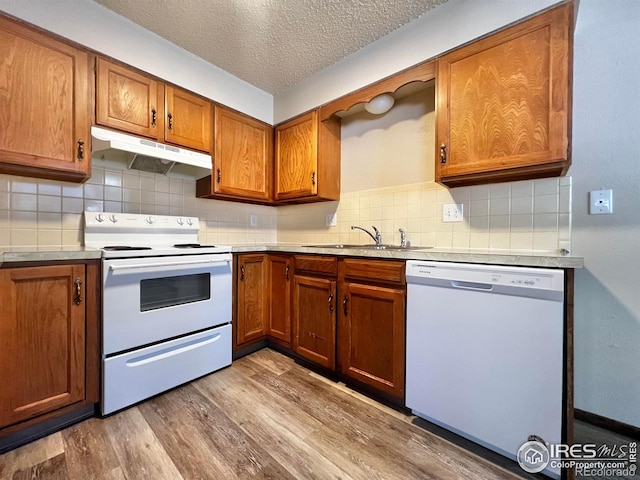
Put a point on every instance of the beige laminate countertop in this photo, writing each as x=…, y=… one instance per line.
x=486, y=256
x=521, y=258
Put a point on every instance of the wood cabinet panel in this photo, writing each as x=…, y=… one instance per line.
x=372, y=336
x=504, y=104
x=252, y=301
x=314, y=319
x=128, y=100
x=242, y=161
x=43, y=340
x=382, y=271
x=44, y=109
x=188, y=119
x=316, y=264
x=280, y=282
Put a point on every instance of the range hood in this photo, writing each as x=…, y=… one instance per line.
x=147, y=155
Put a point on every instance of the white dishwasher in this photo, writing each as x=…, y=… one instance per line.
x=485, y=351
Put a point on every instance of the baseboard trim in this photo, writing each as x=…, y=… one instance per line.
x=608, y=423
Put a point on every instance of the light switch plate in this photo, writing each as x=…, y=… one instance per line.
x=600, y=202
x=253, y=220
x=452, y=212
x=332, y=219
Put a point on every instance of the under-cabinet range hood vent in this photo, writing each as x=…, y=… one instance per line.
x=147, y=155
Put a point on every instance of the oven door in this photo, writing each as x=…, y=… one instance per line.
x=149, y=299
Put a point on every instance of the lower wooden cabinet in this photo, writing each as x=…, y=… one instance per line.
x=371, y=336
x=314, y=319
x=252, y=301
x=49, y=340
x=280, y=282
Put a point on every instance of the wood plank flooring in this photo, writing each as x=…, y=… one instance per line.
x=263, y=417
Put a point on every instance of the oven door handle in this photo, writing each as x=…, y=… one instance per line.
x=135, y=266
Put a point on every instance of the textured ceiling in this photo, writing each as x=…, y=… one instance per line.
x=272, y=44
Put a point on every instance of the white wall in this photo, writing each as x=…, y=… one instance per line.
x=606, y=154
x=100, y=29
x=447, y=26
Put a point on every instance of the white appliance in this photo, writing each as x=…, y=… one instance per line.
x=485, y=352
x=147, y=155
x=166, y=304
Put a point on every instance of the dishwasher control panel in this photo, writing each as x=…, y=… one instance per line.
x=487, y=275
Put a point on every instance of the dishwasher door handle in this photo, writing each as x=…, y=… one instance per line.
x=485, y=287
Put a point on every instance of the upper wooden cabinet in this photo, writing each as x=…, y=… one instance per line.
x=137, y=103
x=44, y=105
x=504, y=104
x=242, y=161
x=128, y=100
x=307, y=159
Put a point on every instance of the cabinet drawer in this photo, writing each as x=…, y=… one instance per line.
x=319, y=265
x=372, y=270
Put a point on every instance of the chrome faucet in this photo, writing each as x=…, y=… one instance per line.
x=403, y=237
x=377, y=237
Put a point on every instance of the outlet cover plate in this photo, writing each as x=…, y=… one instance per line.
x=332, y=219
x=452, y=212
x=600, y=202
x=253, y=220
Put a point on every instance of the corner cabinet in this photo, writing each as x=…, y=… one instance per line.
x=49, y=331
x=242, y=160
x=44, y=105
x=307, y=159
x=504, y=104
x=136, y=103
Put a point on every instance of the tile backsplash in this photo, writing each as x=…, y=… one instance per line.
x=528, y=215
x=36, y=212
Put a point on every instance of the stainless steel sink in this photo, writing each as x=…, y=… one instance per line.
x=368, y=247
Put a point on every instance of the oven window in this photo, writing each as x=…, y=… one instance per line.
x=169, y=291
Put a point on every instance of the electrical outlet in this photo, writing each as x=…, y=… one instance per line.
x=332, y=219
x=600, y=202
x=253, y=220
x=452, y=212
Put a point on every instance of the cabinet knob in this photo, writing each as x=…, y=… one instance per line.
x=219, y=175
x=170, y=118
x=78, y=295
x=241, y=273
x=80, y=150
x=345, y=304
x=443, y=154
x=286, y=272
x=313, y=178
x=331, y=302
x=154, y=117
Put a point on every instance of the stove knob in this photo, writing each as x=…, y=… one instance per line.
x=180, y=221
x=189, y=221
x=113, y=218
x=150, y=220
x=100, y=218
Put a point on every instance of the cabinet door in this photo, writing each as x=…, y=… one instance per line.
x=43, y=340
x=280, y=281
x=296, y=159
x=504, y=104
x=128, y=100
x=251, y=323
x=243, y=159
x=315, y=320
x=44, y=105
x=371, y=336
x=188, y=120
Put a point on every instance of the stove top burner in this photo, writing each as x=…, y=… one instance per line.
x=124, y=247
x=192, y=245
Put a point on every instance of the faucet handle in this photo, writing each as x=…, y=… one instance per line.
x=378, y=235
x=403, y=237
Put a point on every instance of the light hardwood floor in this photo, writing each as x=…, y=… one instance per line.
x=263, y=417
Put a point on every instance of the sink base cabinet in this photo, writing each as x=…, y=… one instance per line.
x=50, y=343
x=371, y=336
x=314, y=320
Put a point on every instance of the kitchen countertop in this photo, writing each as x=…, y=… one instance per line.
x=523, y=258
